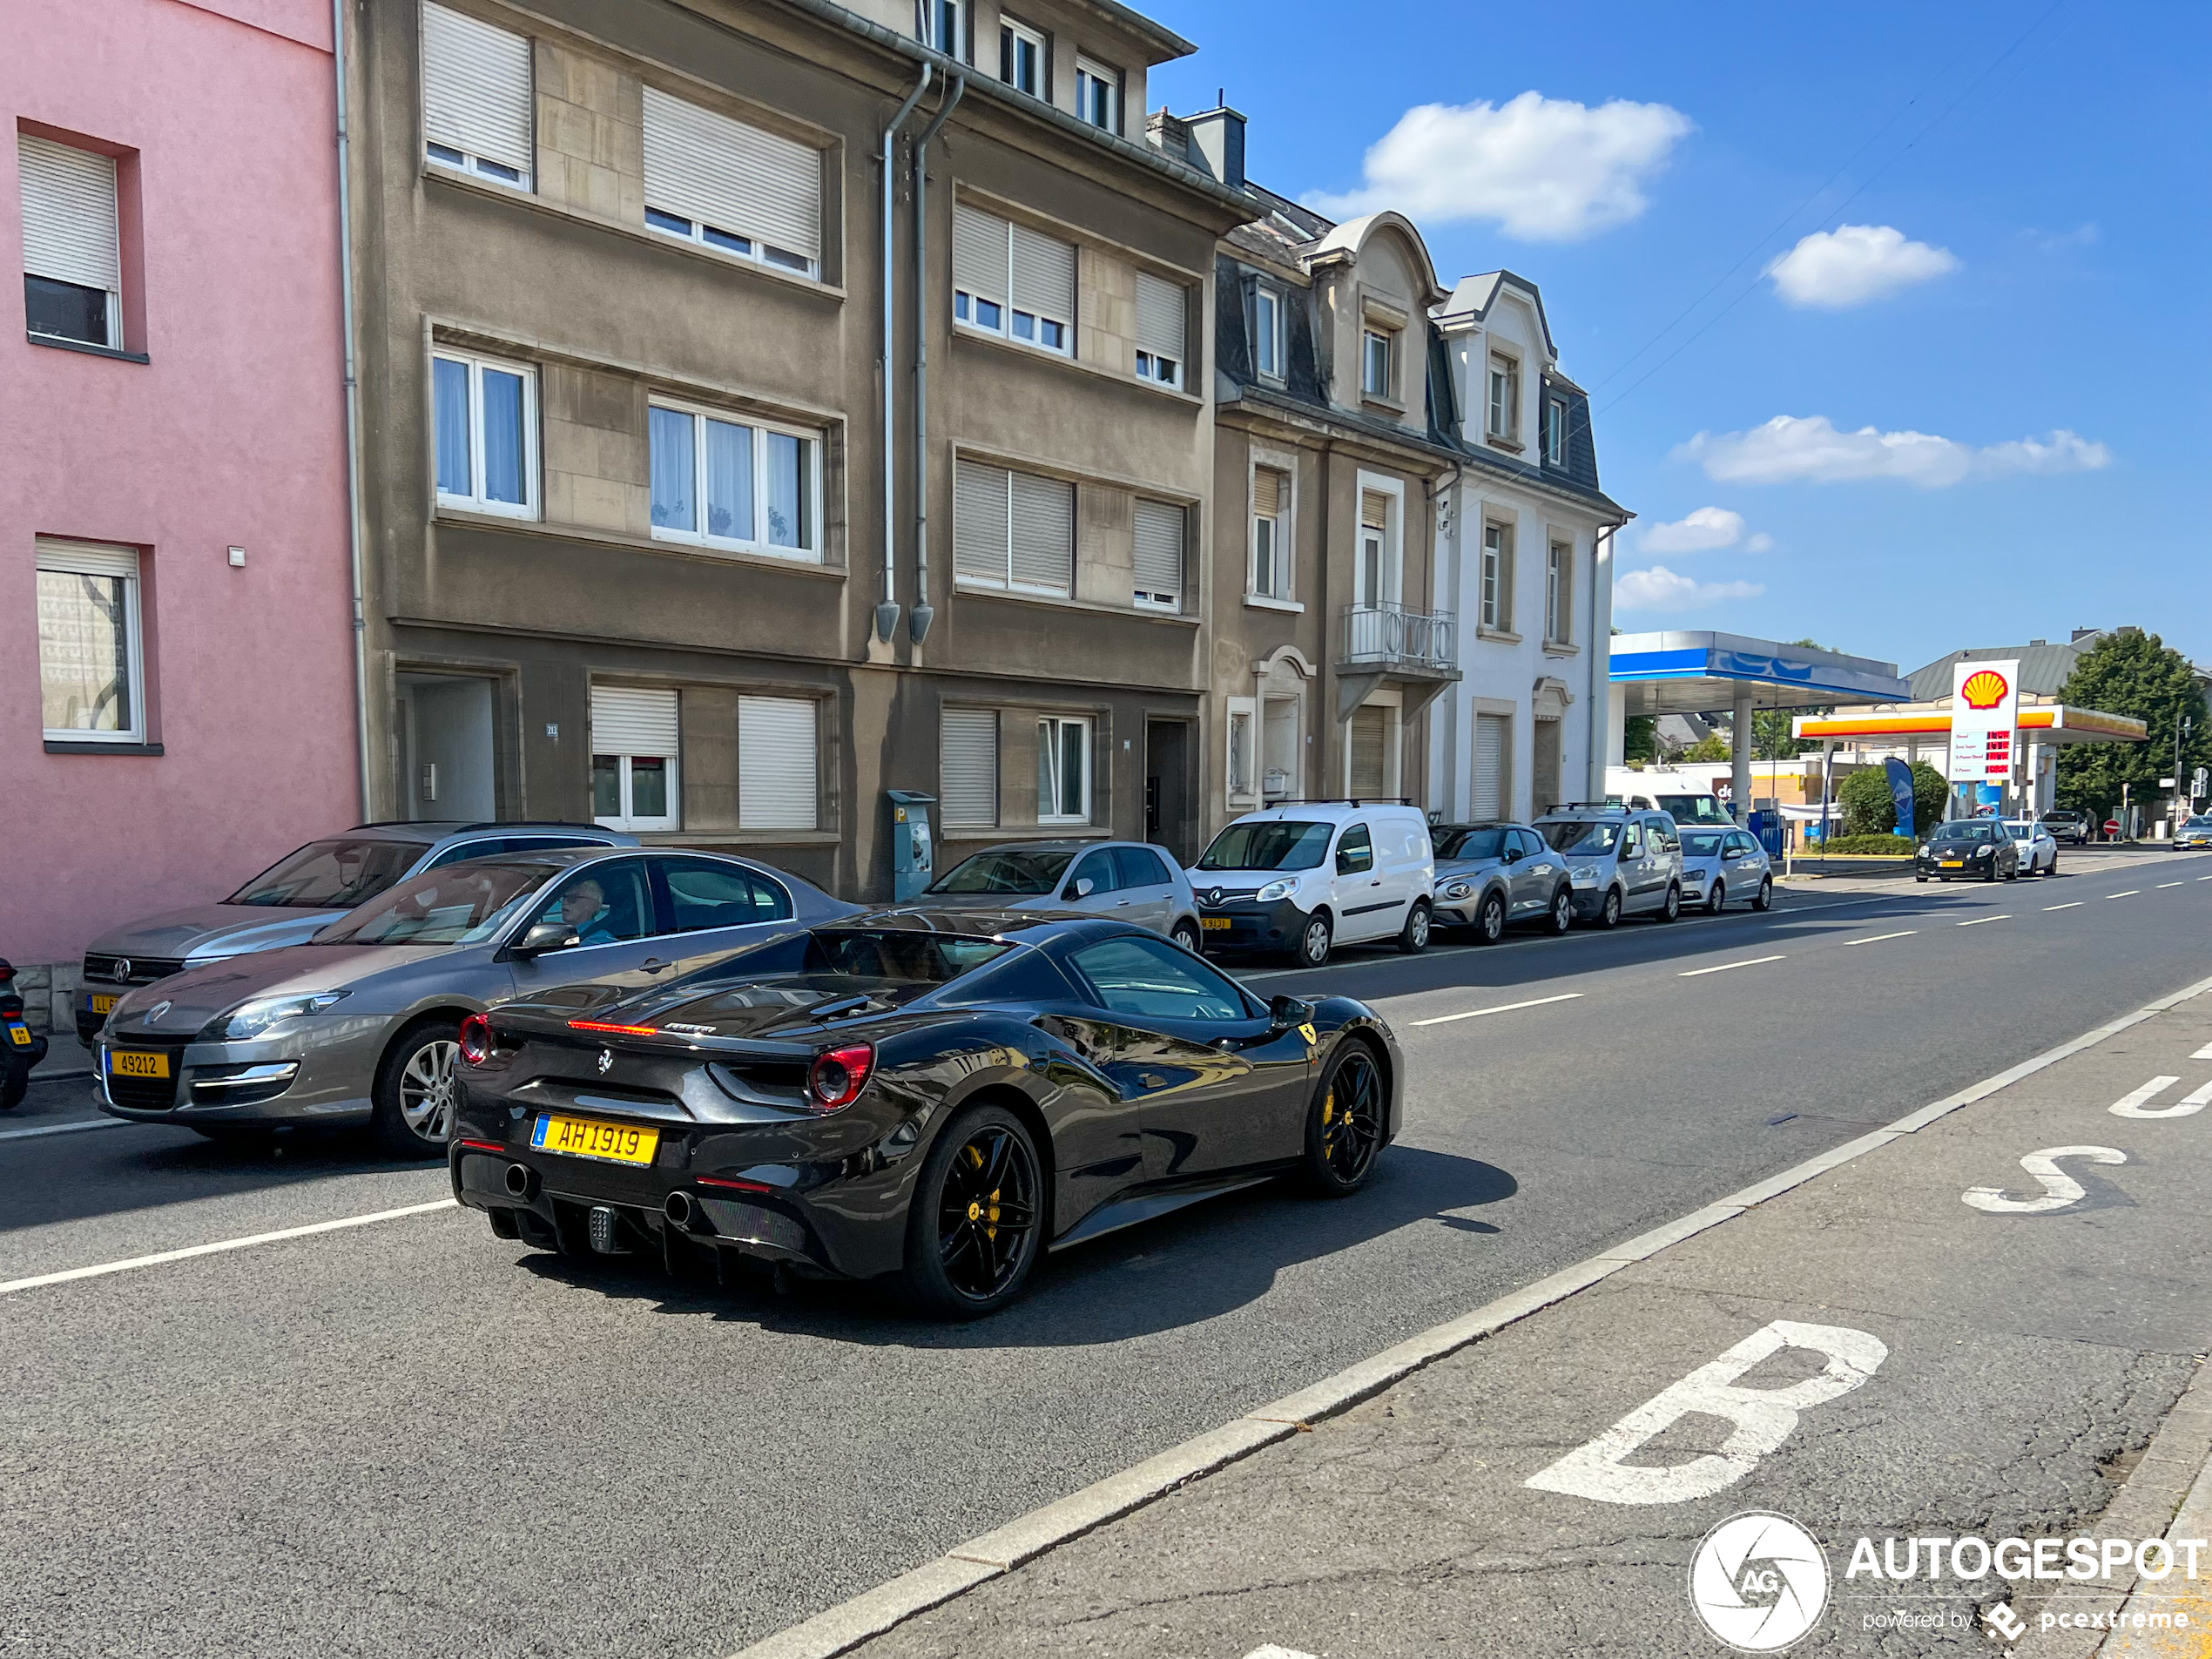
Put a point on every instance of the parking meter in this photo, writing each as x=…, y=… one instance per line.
x=913, y=858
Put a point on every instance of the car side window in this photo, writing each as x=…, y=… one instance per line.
x=703, y=894
x=1097, y=868
x=1355, y=852
x=603, y=904
x=1150, y=978
x=1632, y=842
x=457, y=853
x=1663, y=833
x=1532, y=845
x=1139, y=867
x=548, y=843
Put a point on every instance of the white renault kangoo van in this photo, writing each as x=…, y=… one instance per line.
x=1306, y=876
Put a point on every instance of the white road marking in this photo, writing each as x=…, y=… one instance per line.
x=2136, y=1101
x=2205, y=1053
x=1503, y=1007
x=69, y=1128
x=2164, y=885
x=2130, y=893
x=1977, y=920
x=1723, y=967
x=1762, y=1419
x=1876, y=939
x=1271, y=1651
x=2059, y=1189
x=2070, y=904
x=2205, y=877
x=160, y=1257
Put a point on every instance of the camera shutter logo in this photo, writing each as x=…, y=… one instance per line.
x=1759, y=1582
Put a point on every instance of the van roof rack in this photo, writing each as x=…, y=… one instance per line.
x=1342, y=800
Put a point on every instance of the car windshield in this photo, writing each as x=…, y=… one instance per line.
x=1571, y=835
x=1483, y=841
x=1010, y=872
x=1700, y=843
x=462, y=904
x=897, y=954
x=1966, y=833
x=2198, y=821
x=336, y=874
x=1276, y=845
x=2022, y=832
x=1694, y=809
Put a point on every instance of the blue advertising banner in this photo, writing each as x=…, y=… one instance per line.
x=1901, y=792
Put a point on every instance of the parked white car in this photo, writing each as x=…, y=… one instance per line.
x=2038, y=848
x=1308, y=876
x=1719, y=866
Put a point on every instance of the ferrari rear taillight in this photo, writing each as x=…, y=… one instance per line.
x=478, y=1042
x=838, y=1075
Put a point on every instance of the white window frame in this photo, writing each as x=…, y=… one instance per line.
x=1143, y=599
x=54, y=556
x=932, y=16
x=1391, y=563
x=1279, y=527
x=1267, y=333
x=1241, y=712
x=625, y=819
x=1011, y=34
x=759, y=544
x=661, y=222
x=1502, y=416
x=1161, y=371
x=1090, y=74
x=111, y=284
x=1049, y=728
x=1494, y=590
x=1556, y=430
x=1559, y=592
x=466, y=162
x=965, y=306
x=1371, y=336
x=477, y=501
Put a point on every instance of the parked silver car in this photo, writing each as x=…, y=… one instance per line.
x=359, y=1026
x=1130, y=881
x=1721, y=865
x=297, y=897
x=1621, y=863
x=1490, y=875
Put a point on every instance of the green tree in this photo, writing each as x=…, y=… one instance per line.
x=1771, y=738
x=1931, y=797
x=1871, y=809
x=2131, y=672
x=1638, y=741
x=1713, y=748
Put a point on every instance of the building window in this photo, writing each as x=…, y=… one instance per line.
x=92, y=652
x=1013, y=530
x=1497, y=578
x=1063, y=771
x=1554, y=432
x=634, y=783
x=1504, y=398
x=1163, y=328
x=476, y=96
x=1267, y=332
x=1098, y=94
x=1022, y=57
x=945, y=26
x=1377, y=579
x=779, y=763
x=1012, y=281
x=1559, y=593
x=486, y=423
x=1243, y=784
x=967, y=782
x=1159, y=532
x=72, y=283
x=1271, y=574
x=730, y=186
x=748, y=486
x=1378, y=347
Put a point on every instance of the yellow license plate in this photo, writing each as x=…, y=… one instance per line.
x=126, y=1064
x=1214, y=924
x=1954, y=864
x=582, y=1137
x=105, y=1004
x=20, y=1035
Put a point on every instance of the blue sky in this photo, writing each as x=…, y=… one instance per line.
x=2048, y=275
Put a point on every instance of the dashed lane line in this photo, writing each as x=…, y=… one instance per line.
x=1502, y=1008
x=2070, y=904
x=1977, y=920
x=1723, y=967
x=2130, y=893
x=2164, y=885
x=1876, y=939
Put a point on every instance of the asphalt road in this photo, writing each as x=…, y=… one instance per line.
x=407, y=1438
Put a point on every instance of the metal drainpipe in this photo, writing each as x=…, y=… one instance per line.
x=886, y=614
x=924, y=613
x=353, y=404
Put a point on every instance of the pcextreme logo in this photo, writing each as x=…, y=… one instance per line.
x=1984, y=689
x=1759, y=1582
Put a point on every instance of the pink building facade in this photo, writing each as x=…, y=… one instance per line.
x=177, y=683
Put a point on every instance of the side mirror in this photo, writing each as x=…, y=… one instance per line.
x=1512, y=855
x=542, y=936
x=1284, y=1012
x=1081, y=889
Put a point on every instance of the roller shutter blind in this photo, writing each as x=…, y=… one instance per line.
x=1267, y=493
x=1159, y=532
x=476, y=88
x=1161, y=317
x=1044, y=274
x=1374, y=510
x=979, y=522
x=968, y=784
x=1370, y=756
x=628, y=720
x=708, y=168
x=86, y=558
x=1044, y=551
x=1489, y=765
x=68, y=215
x=980, y=253
x=777, y=741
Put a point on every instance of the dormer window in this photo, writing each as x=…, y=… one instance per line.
x=1378, y=365
x=1267, y=332
x=1020, y=56
x=1555, y=431
x=1504, y=398
x=1098, y=94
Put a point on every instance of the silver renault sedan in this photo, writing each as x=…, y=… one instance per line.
x=360, y=1025
x=1132, y=881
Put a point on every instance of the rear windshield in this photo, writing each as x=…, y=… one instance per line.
x=462, y=904
x=1694, y=809
x=1569, y=837
x=1017, y=873
x=1700, y=843
x=897, y=954
x=336, y=874
x=1274, y=846
x=1460, y=843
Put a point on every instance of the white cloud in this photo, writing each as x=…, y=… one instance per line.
x=1808, y=449
x=1548, y=170
x=1854, y=264
x=1660, y=588
x=1704, y=531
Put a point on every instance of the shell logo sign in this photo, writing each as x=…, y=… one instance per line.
x=1984, y=689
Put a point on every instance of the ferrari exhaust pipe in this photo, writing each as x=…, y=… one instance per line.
x=679, y=1209
x=521, y=1180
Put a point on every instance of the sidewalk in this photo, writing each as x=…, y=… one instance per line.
x=1975, y=1330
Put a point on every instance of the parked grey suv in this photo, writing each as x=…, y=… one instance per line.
x=1621, y=863
x=1490, y=875
x=362, y=1025
x=1130, y=881
x=296, y=897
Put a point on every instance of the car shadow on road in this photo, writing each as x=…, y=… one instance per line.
x=1195, y=1265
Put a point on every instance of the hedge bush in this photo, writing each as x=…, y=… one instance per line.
x=1870, y=809
x=1860, y=846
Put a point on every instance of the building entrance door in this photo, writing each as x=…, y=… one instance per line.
x=1167, y=787
x=447, y=758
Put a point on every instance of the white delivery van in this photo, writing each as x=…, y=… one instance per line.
x=1306, y=876
x=1686, y=797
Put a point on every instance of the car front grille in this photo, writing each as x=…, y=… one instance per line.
x=143, y=969
x=148, y=1094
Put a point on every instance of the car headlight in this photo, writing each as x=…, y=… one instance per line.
x=1583, y=875
x=1926, y=851
x=253, y=1018
x=1457, y=890
x=1275, y=890
x=1985, y=852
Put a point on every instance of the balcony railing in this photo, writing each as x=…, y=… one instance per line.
x=1388, y=635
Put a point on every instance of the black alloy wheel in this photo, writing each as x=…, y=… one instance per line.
x=1766, y=900
x=1670, y=911
x=1312, y=948
x=1186, y=934
x=1490, y=920
x=1717, y=900
x=1412, y=938
x=1344, y=1127
x=1563, y=910
x=971, y=1234
x=1609, y=914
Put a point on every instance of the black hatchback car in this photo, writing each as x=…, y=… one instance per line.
x=938, y=1095
x=1978, y=849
